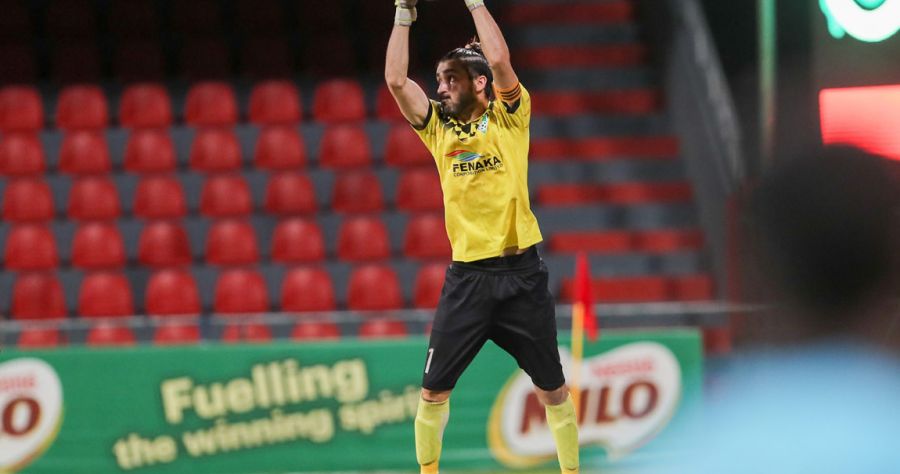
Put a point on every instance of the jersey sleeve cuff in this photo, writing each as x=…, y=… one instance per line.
x=427, y=118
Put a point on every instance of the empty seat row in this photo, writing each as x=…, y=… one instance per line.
x=148, y=105
x=172, y=292
x=141, y=60
x=211, y=150
x=646, y=288
x=661, y=240
x=145, y=18
x=619, y=193
x=98, y=245
x=225, y=195
x=179, y=333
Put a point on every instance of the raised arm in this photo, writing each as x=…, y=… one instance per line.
x=493, y=45
x=410, y=97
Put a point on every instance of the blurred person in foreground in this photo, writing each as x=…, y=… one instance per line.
x=496, y=288
x=817, y=391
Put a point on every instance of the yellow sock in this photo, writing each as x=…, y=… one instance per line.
x=564, y=426
x=431, y=419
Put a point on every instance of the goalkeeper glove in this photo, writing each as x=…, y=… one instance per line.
x=406, y=12
x=473, y=4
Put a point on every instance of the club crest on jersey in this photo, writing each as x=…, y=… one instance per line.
x=467, y=163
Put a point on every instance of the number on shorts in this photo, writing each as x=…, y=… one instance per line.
x=428, y=362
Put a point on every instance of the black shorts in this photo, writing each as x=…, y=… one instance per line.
x=503, y=299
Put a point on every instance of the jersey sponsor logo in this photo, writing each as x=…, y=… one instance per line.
x=628, y=395
x=31, y=407
x=467, y=163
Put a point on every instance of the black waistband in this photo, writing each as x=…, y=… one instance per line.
x=512, y=263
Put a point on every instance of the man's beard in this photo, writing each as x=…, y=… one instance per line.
x=453, y=109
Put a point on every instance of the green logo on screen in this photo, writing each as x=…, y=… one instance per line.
x=871, y=21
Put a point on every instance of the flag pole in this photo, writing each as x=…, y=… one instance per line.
x=577, y=353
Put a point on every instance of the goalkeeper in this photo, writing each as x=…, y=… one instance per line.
x=496, y=287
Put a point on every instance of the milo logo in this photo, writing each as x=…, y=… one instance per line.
x=628, y=395
x=30, y=411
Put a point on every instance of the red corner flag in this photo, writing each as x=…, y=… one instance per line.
x=583, y=297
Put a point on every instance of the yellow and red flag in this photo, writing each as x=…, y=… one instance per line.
x=584, y=320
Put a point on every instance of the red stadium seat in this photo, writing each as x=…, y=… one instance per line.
x=246, y=332
x=139, y=61
x=27, y=200
x=339, y=100
x=38, y=296
x=215, y=150
x=374, y=288
x=206, y=59
x=225, y=195
x=172, y=292
x=30, y=247
x=316, y=330
x=363, y=239
x=150, y=151
x=619, y=193
x=82, y=107
x=320, y=20
x=405, y=148
x=260, y=16
x=16, y=20
x=420, y=190
x=275, y=103
x=267, y=58
x=84, y=152
x=197, y=17
x=693, y=288
x=67, y=19
x=21, y=109
x=93, y=198
x=290, y=194
x=105, y=334
x=241, y=292
x=98, y=245
x=19, y=63
x=426, y=237
x=280, y=148
x=345, y=146
x=173, y=333
x=105, y=294
x=145, y=105
x=159, y=197
x=231, y=242
x=76, y=63
x=624, y=289
x=357, y=192
x=383, y=328
x=307, y=290
x=211, y=104
x=331, y=54
x=133, y=19
x=386, y=107
x=298, y=240
x=656, y=241
x=429, y=284
x=21, y=154
x=164, y=244
x=40, y=338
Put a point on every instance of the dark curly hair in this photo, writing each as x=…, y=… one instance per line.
x=476, y=64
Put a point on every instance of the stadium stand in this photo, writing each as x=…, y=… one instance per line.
x=210, y=178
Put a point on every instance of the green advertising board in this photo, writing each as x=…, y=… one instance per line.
x=336, y=406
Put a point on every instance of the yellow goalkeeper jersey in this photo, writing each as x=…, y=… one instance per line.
x=483, y=167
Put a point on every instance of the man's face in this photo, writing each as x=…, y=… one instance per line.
x=456, y=91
